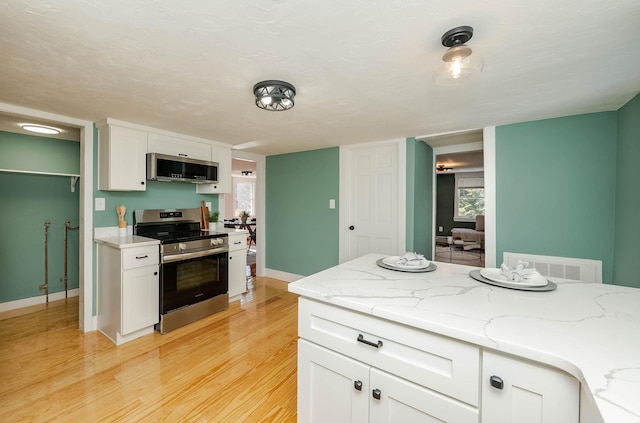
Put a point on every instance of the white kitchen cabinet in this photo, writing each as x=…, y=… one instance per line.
x=514, y=390
x=173, y=146
x=336, y=388
x=417, y=376
x=331, y=386
x=128, y=291
x=121, y=158
x=237, y=265
x=221, y=155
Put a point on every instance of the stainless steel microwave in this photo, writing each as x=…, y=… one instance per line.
x=162, y=167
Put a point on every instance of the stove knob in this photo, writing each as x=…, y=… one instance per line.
x=214, y=241
x=182, y=246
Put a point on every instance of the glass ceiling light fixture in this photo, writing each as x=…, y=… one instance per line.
x=458, y=65
x=274, y=95
x=40, y=129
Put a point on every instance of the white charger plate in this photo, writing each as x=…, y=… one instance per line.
x=475, y=274
x=494, y=274
x=411, y=269
x=393, y=262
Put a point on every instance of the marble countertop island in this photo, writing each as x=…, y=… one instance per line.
x=591, y=331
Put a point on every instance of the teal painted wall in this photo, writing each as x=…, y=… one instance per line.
x=410, y=200
x=39, y=154
x=159, y=195
x=419, y=197
x=28, y=200
x=555, y=188
x=627, y=230
x=301, y=230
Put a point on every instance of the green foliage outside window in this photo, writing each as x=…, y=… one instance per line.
x=470, y=202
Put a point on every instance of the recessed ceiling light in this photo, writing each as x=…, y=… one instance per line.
x=41, y=129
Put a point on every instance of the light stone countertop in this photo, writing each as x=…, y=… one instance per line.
x=109, y=236
x=591, y=331
x=129, y=241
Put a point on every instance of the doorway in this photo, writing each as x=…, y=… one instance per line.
x=248, y=194
x=85, y=187
x=459, y=198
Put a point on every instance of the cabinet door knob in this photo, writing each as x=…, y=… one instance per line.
x=376, y=393
x=142, y=183
x=357, y=385
x=351, y=227
x=155, y=273
x=496, y=382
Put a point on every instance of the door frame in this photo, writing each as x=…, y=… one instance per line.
x=344, y=195
x=488, y=146
x=260, y=161
x=87, y=321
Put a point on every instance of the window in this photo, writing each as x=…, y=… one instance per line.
x=469, y=198
x=245, y=197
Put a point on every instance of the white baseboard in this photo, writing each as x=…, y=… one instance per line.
x=283, y=276
x=41, y=299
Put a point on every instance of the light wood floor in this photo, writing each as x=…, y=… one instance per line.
x=235, y=366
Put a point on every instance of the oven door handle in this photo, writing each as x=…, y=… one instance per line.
x=196, y=254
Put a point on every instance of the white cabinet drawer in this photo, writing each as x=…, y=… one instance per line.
x=436, y=362
x=140, y=256
x=238, y=241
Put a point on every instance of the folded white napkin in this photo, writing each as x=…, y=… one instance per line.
x=520, y=273
x=411, y=259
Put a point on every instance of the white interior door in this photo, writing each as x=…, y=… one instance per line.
x=372, y=200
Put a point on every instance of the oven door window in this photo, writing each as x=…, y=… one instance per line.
x=191, y=281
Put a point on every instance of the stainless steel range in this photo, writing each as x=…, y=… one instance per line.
x=194, y=265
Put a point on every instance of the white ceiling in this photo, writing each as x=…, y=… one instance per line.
x=362, y=69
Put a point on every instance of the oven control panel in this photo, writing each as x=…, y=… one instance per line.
x=170, y=214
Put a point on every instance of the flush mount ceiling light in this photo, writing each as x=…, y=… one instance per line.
x=458, y=65
x=41, y=129
x=274, y=95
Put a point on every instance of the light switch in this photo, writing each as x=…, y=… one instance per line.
x=100, y=204
x=208, y=205
x=332, y=203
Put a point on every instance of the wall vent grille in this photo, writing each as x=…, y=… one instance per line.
x=584, y=270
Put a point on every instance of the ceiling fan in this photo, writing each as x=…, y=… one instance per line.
x=443, y=168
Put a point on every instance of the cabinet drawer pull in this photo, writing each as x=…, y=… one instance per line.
x=496, y=382
x=371, y=344
x=238, y=242
x=376, y=393
x=142, y=257
x=183, y=155
x=357, y=385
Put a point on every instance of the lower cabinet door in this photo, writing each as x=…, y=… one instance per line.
x=140, y=298
x=237, y=272
x=397, y=400
x=332, y=388
x=523, y=392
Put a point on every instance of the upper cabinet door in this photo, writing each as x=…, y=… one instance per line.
x=121, y=159
x=172, y=146
x=221, y=155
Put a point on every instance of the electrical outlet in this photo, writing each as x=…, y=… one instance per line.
x=332, y=203
x=100, y=204
x=208, y=205
x=440, y=229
